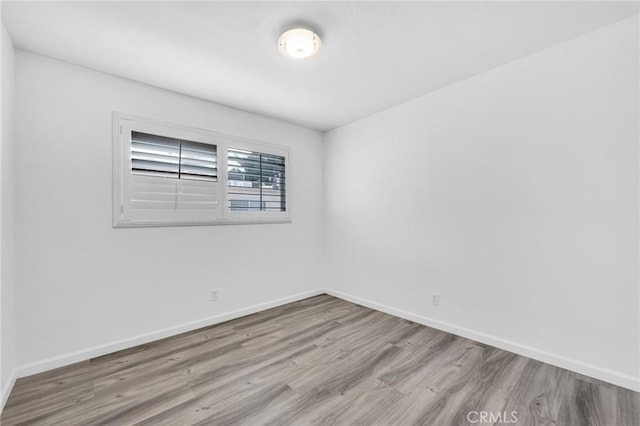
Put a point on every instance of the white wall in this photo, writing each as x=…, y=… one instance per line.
x=514, y=195
x=7, y=204
x=83, y=283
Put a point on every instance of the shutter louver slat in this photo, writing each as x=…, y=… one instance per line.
x=153, y=155
x=197, y=195
x=153, y=193
x=198, y=161
x=154, y=166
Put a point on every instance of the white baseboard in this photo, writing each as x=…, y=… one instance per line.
x=85, y=354
x=599, y=373
x=606, y=375
x=6, y=390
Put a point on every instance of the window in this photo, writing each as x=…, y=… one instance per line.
x=168, y=175
x=255, y=181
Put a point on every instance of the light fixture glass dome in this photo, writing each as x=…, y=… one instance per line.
x=299, y=43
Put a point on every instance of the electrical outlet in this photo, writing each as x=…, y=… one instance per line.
x=435, y=299
x=214, y=295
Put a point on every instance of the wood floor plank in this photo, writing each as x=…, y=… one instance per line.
x=413, y=362
x=538, y=394
x=365, y=407
x=40, y=410
x=627, y=407
x=320, y=361
x=587, y=403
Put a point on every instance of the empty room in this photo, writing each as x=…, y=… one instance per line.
x=320, y=212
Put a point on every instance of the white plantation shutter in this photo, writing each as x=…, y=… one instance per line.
x=171, y=174
x=168, y=175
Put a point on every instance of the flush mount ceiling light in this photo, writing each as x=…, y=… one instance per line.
x=299, y=43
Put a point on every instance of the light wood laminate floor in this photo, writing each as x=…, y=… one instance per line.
x=317, y=361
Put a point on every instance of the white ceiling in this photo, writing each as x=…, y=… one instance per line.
x=374, y=54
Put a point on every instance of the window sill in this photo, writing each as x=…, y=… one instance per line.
x=130, y=224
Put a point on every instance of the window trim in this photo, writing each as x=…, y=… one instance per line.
x=122, y=174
